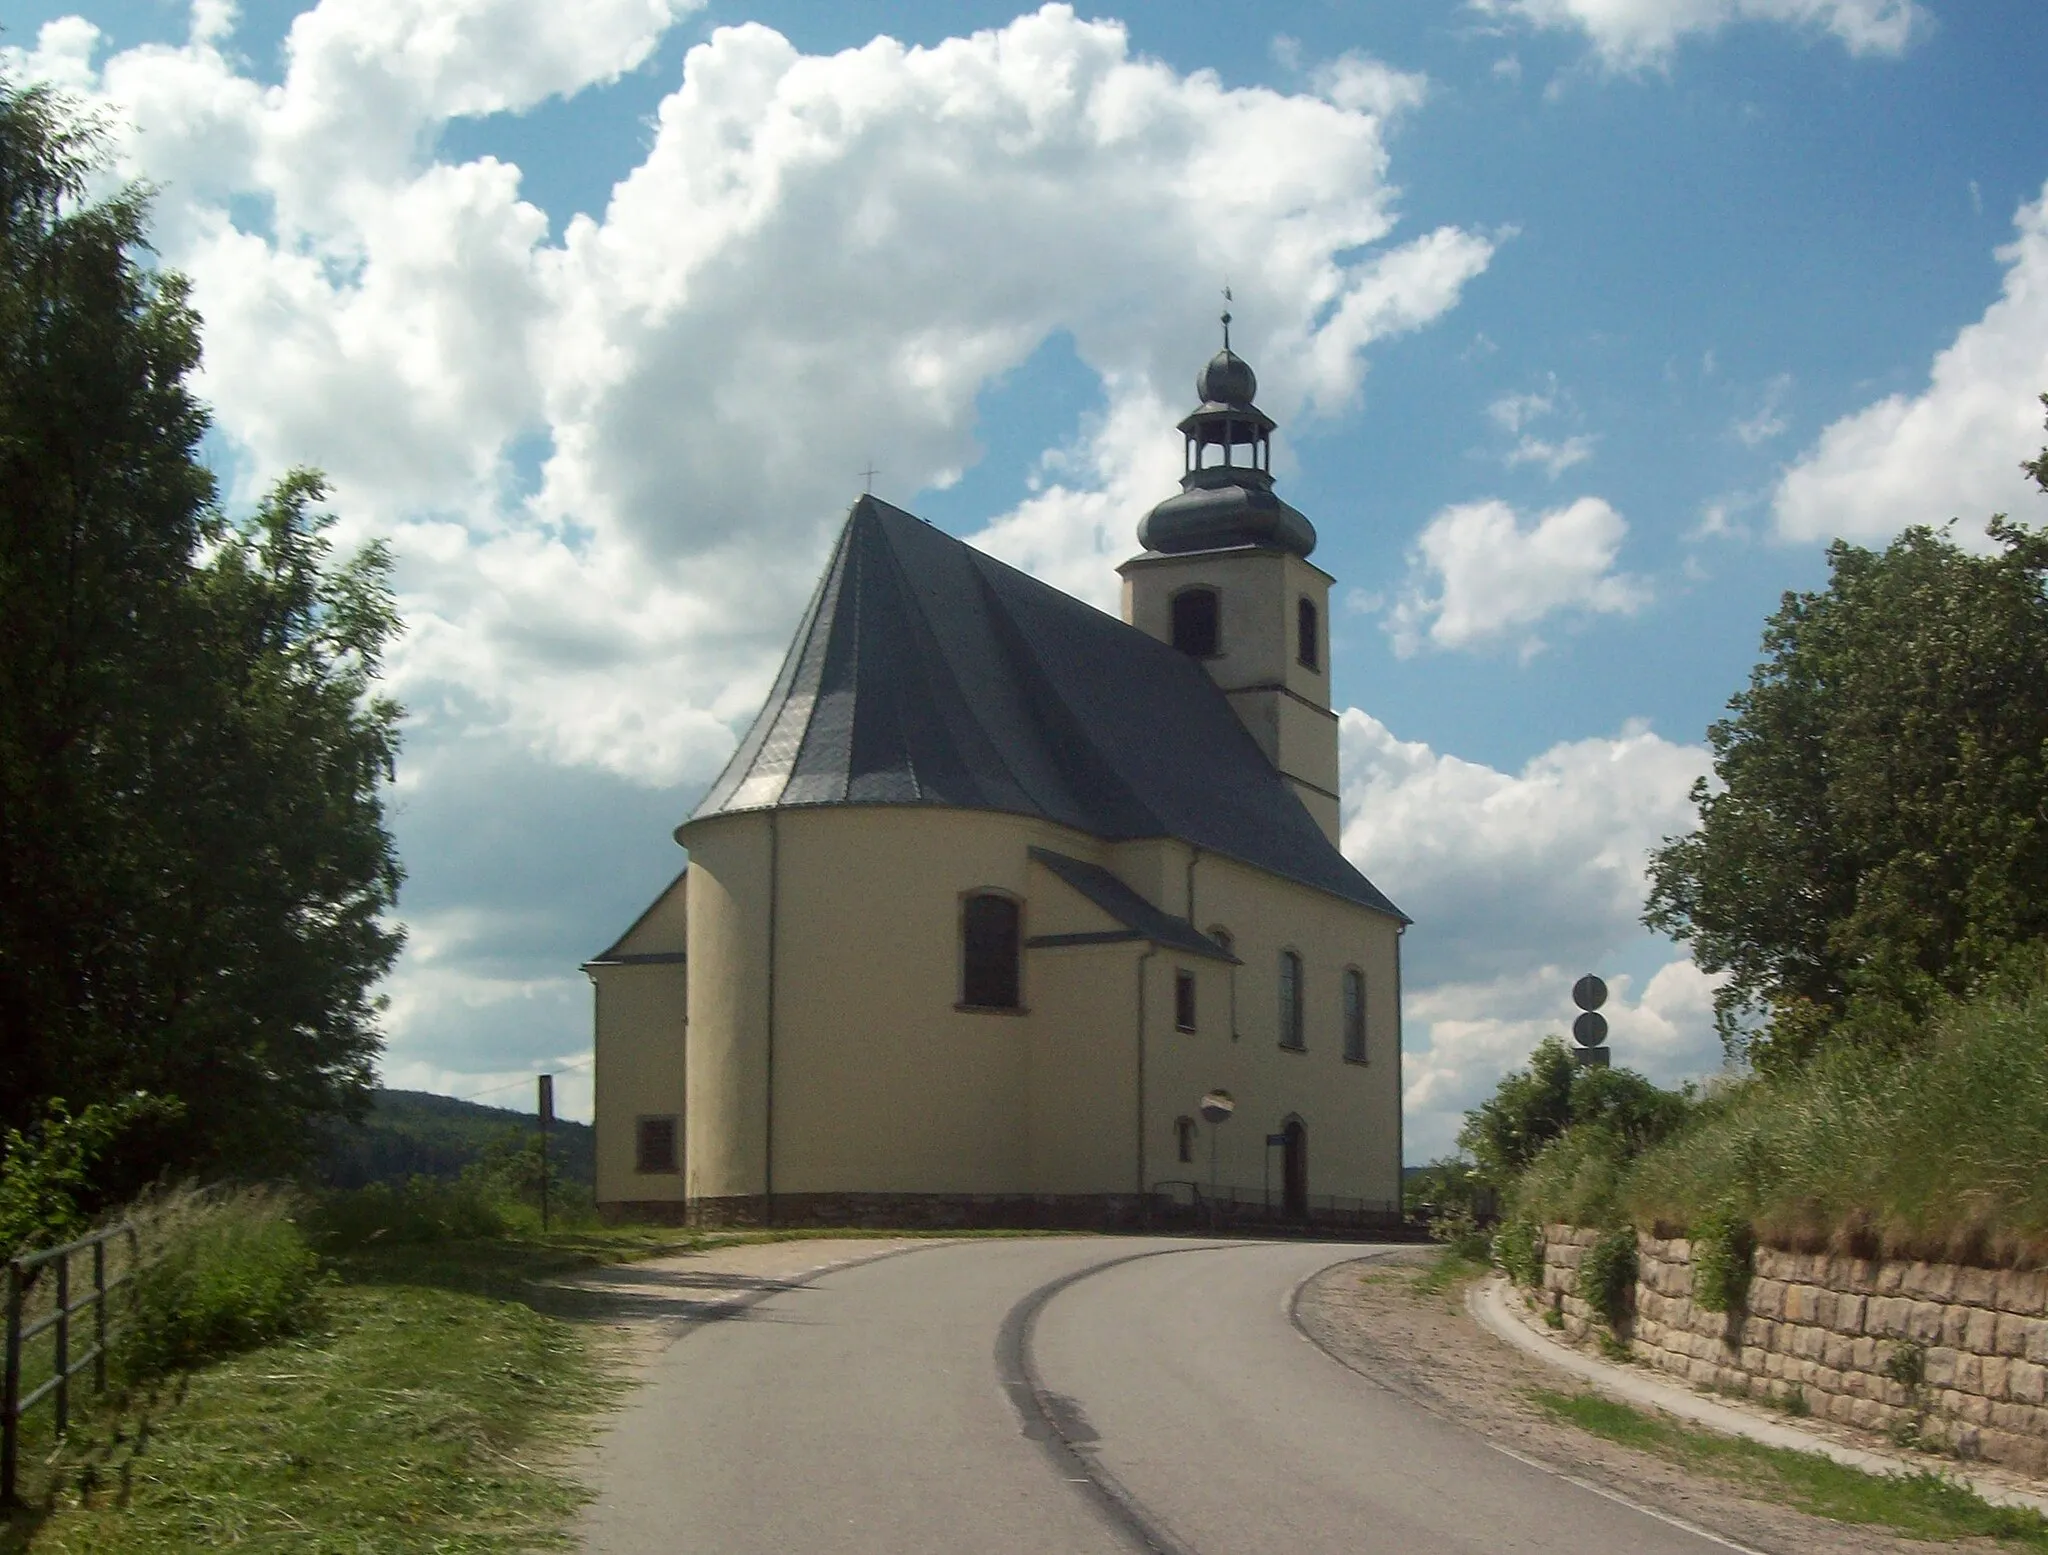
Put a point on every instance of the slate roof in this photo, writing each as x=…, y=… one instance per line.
x=925, y=672
x=1139, y=917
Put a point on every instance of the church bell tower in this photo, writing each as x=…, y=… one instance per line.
x=1225, y=577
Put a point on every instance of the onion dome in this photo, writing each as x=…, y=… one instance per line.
x=1227, y=380
x=1226, y=495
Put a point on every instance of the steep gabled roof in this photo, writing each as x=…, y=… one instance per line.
x=616, y=953
x=925, y=672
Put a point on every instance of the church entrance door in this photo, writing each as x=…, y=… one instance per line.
x=1294, y=1170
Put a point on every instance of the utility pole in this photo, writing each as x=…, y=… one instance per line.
x=547, y=1116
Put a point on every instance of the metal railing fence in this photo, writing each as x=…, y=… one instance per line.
x=22, y=1276
x=1225, y=1205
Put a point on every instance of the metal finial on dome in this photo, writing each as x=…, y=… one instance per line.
x=1228, y=378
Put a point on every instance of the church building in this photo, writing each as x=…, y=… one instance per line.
x=998, y=889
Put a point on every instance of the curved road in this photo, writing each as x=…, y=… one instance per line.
x=1092, y=1395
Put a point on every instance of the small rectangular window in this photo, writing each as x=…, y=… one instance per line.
x=654, y=1145
x=1184, y=1001
x=1354, y=1015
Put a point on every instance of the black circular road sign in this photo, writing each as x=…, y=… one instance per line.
x=1589, y=1030
x=1218, y=1105
x=1589, y=993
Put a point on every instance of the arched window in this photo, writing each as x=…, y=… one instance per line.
x=1184, y=1137
x=1195, y=627
x=1354, y=1015
x=1308, y=637
x=1183, y=1001
x=1290, y=1000
x=989, y=952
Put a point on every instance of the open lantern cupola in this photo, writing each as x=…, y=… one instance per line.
x=1226, y=491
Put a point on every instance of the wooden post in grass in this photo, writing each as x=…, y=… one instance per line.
x=547, y=1116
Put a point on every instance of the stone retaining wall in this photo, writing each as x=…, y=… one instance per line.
x=1947, y=1356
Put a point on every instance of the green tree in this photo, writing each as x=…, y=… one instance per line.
x=195, y=877
x=1878, y=834
x=1527, y=1110
x=1531, y=1107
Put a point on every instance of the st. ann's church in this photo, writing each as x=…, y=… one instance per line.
x=998, y=888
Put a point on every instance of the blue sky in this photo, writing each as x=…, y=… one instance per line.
x=1587, y=326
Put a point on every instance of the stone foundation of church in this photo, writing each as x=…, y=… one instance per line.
x=970, y=1211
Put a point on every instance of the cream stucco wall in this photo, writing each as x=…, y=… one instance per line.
x=640, y=1045
x=726, y=1075
x=641, y=993
x=882, y=1084
x=1351, y=1111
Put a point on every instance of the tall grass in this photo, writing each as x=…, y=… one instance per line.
x=221, y=1272
x=1936, y=1152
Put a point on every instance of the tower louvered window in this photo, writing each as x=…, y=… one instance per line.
x=1196, y=628
x=1354, y=1015
x=1290, y=1000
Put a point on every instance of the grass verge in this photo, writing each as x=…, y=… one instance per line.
x=414, y=1418
x=1921, y=1506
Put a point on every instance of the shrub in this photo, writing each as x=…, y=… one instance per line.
x=1575, y=1181
x=1460, y=1234
x=1607, y=1276
x=1637, y=1113
x=1723, y=1257
x=221, y=1275
x=418, y=1212
x=1518, y=1249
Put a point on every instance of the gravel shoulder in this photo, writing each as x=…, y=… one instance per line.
x=1380, y=1319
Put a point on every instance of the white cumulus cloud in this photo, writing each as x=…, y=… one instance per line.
x=610, y=454
x=1517, y=414
x=1629, y=34
x=1953, y=450
x=1479, y=575
x=1508, y=870
x=817, y=258
x=1518, y=882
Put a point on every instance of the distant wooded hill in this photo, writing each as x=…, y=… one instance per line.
x=419, y=1134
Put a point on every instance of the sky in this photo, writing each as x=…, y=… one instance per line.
x=1588, y=324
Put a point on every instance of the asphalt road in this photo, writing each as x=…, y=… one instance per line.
x=1094, y=1396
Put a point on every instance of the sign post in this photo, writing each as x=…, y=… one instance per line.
x=1217, y=1107
x=547, y=1116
